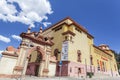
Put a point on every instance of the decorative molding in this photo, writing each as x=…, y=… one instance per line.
x=38, y=40
x=9, y=75
x=48, y=50
x=102, y=50
x=53, y=62
x=39, y=49
x=18, y=68
x=9, y=54
x=69, y=32
x=73, y=23
x=45, y=70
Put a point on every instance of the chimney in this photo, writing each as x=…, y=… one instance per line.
x=40, y=30
x=104, y=47
x=29, y=28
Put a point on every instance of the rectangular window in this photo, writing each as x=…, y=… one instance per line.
x=78, y=30
x=103, y=66
x=66, y=38
x=115, y=67
x=57, y=29
x=98, y=65
x=79, y=70
x=78, y=55
x=91, y=59
x=70, y=69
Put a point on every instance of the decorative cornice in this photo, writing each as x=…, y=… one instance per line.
x=45, y=70
x=9, y=54
x=48, y=50
x=74, y=23
x=38, y=39
x=102, y=50
x=53, y=62
x=56, y=24
x=60, y=25
x=68, y=32
x=18, y=68
x=10, y=75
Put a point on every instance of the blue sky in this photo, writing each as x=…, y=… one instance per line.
x=100, y=17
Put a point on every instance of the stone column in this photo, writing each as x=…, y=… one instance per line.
x=22, y=61
x=41, y=69
x=46, y=66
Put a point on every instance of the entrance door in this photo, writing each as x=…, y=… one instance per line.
x=34, y=64
x=37, y=70
x=32, y=69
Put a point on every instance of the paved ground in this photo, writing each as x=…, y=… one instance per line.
x=62, y=78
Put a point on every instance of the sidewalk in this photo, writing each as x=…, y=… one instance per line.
x=62, y=78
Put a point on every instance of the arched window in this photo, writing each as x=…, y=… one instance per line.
x=56, y=53
x=66, y=37
x=98, y=65
x=78, y=56
x=79, y=70
x=91, y=59
x=103, y=66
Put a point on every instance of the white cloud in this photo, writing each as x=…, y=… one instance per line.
x=1, y=54
x=30, y=11
x=16, y=37
x=1, y=51
x=46, y=23
x=4, y=39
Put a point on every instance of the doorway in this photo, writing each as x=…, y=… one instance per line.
x=34, y=63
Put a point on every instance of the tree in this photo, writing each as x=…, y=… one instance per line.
x=117, y=57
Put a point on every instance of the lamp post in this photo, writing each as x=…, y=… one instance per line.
x=60, y=64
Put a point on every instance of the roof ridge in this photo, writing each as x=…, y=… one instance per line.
x=64, y=20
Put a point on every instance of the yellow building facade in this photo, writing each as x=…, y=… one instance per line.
x=64, y=49
x=74, y=46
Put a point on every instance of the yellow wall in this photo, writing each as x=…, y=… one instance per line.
x=81, y=41
x=33, y=56
x=57, y=38
x=110, y=62
x=113, y=61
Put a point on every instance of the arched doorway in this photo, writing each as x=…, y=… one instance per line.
x=34, y=62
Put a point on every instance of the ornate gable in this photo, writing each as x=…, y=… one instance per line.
x=37, y=37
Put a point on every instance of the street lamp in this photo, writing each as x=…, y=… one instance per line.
x=60, y=62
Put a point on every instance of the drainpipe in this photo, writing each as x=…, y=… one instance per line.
x=86, y=67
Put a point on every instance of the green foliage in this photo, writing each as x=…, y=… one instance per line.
x=118, y=64
x=90, y=74
x=117, y=57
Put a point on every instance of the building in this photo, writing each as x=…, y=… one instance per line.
x=74, y=46
x=33, y=57
x=64, y=49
